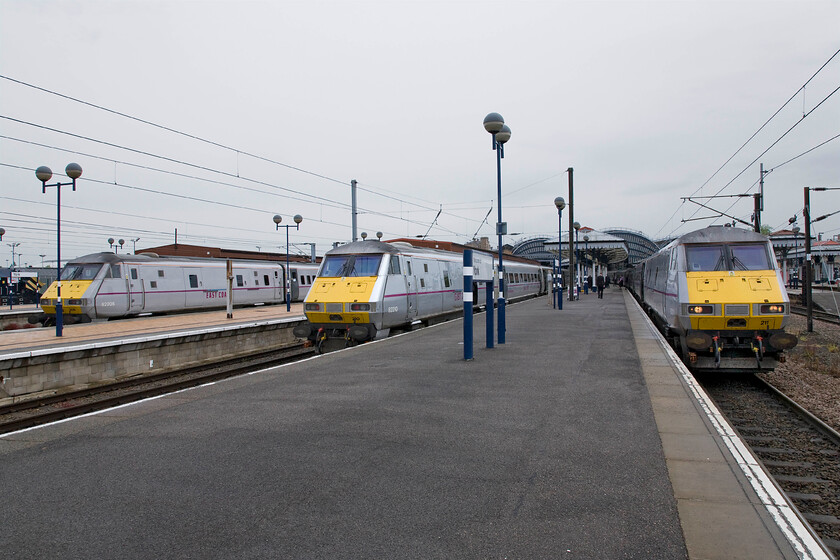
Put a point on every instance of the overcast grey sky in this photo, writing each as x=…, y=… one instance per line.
x=645, y=100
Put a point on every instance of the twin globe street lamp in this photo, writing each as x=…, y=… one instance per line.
x=114, y=246
x=44, y=174
x=560, y=203
x=495, y=125
x=298, y=219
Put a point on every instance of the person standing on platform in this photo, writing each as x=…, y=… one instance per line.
x=599, y=282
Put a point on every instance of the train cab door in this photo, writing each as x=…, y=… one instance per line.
x=411, y=290
x=295, y=291
x=194, y=295
x=136, y=290
x=277, y=283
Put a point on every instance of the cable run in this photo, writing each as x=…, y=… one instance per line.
x=194, y=137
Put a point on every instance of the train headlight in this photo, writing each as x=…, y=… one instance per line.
x=312, y=307
x=359, y=307
x=772, y=309
x=701, y=309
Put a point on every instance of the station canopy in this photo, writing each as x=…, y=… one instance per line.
x=602, y=247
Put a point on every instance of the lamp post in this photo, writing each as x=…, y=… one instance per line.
x=495, y=125
x=576, y=226
x=586, y=256
x=560, y=203
x=2, y=231
x=298, y=219
x=134, y=241
x=13, y=245
x=113, y=244
x=44, y=174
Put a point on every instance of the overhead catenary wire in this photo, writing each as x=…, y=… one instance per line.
x=199, y=138
x=752, y=137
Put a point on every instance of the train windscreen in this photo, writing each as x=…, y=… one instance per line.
x=743, y=256
x=704, y=258
x=337, y=266
x=80, y=271
x=752, y=256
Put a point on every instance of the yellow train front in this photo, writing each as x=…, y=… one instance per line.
x=79, y=287
x=366, y=288
x=718, y=295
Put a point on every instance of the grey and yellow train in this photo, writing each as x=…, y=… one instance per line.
x=108, y=286
x=365, y=289
x=718, y=295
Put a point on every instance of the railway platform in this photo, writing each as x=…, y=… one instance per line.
x=34, y=362
x=578, y=438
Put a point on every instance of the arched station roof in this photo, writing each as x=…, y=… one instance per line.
x=639, y=246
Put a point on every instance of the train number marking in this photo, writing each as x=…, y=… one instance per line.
x=108, y=304
x=393, y=309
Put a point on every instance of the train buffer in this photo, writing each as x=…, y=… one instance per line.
x=578, y=438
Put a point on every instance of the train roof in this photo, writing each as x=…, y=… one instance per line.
x=719, y=234
x=112, y=258
x=447, y=249
x=363, y=247
x=379, y=247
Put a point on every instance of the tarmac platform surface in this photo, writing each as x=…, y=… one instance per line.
x=575, y=439
x=16, y=341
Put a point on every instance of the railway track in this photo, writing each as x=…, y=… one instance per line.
x=34, y=412
x=816, y=314
x=799, y=451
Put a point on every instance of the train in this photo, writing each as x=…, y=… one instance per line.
x=718, y=296
x=111, y=286
x=366, y=289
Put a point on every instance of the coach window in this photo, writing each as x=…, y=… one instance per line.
x=446, y=278
x=193, y=281
x=425, y=267
x=408, y=264
x=153, y=284
x=114, y=271
x=134, y=274
x=265, y=279
x=160, y=274
x=239, y=280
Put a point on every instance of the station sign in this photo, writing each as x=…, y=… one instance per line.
x=482, y=267
x=17, y=275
